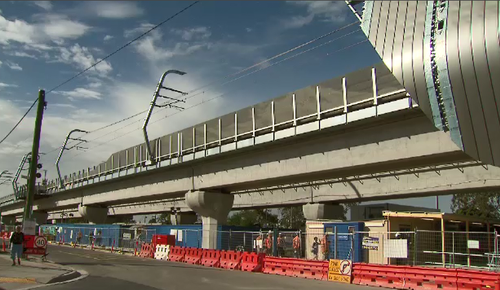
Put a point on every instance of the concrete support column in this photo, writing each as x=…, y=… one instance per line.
x=8, y=220
x=95, y=215
x=214, y=208
x=321, y=211
x=183, y=218
x=40, y=217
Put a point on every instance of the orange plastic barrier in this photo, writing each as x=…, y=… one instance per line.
x=230, y=260
x=210, y=258
x=468, y=279
x=252, y=262
x=147, y=251
x=379, y=275
x=193, y=256
x=317, y=270
x=177, y=254
x=431, y=278
x=278, y=266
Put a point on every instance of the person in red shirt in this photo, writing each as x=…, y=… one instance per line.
x=296, y=246
x=269, y=245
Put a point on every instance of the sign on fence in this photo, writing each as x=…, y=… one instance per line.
x=370, y=243
x=473, y=244
x=340, y=271
x=396, y=248
x=127, y=236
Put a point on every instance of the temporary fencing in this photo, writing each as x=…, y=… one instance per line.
x=193, y=256
x=161, y=252
x=230, y=260
x=147, y=251
x=115, y=238
x=210, y=258
x=177, y=254
x=252, y=262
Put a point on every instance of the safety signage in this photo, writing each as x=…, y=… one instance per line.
x=340, y=271
x=345, y=267
x=370, y=243
x=40, y=242
x=34, y=251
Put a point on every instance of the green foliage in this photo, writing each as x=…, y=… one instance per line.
x=253, y=217
x=292, y=218
x=485, y=205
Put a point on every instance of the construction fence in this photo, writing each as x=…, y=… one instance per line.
x=124, y=239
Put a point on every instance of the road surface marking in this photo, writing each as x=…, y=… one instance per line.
x=17, y=280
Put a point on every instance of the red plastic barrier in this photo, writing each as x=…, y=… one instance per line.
x=317, y=270
x=230, y=260
x=252, y=262
x=379, y=275
x=193, y=256
x=431, y=278
x=468, y=279
x=278, y=266
x=210, y=258
x=177, y=254
x=147, y=251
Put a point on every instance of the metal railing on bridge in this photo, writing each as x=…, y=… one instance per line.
x=358, y=95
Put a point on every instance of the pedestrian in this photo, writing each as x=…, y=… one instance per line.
x=258, y=244
x=16, y=242
x=296, y=246
x=91, y=238
x=281, y=245
x=325, y=247
x=269, y=245
x=98, y=238
x=79, y=237
x=315, y=248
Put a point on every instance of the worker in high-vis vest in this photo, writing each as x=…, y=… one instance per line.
x=269, y=245
x=296, y=246
x=325, y=246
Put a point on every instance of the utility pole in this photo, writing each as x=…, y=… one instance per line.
x=34, y=156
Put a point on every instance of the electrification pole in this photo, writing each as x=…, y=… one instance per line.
x=34, y=156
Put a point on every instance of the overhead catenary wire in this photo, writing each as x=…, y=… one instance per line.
x=98, y=62
x=221, y=81
x=218, y=96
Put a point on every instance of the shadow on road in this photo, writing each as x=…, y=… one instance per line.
x=98, y=282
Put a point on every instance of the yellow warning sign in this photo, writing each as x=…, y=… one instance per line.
x=334, y=266
x=339, y=271
x=339, y=278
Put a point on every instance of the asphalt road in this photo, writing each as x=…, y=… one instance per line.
x=118, y=272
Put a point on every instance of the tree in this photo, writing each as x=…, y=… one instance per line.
x=164, y=219
x=292, y=217
x=253, y=217
x=485, y=205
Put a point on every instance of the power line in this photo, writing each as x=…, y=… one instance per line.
x=19, y=122
x=124, y=46
x=98, y=62
x=218, y=96
x=221, y=83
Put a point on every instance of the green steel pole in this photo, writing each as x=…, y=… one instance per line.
x=34, y=156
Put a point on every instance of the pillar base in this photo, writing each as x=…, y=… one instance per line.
x=321, y=211
x=8, y=220
x=95, y=215
x=185, y=218
x=40, y=217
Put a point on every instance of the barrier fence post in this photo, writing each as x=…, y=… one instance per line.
x=113, y=246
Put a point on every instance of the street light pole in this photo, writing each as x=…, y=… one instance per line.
x=34, y=155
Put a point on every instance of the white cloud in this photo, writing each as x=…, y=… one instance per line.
x=108, y=37
x=114, y=10
x=14, y=66
x=248, y=29
x=95, y=85
x=1, y=63
x=63, y=106
x=4, y=85
x=196, y=33
x=22, y=54
x=52, y=27
x=143, y=27
x=58, y=27
x=80, y=93
x=80, y=57
x=329, y=11
x=297, y=21
x=43, y=4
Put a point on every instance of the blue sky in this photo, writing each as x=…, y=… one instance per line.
x=44, y=43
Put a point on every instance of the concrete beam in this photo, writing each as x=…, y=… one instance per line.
x=379, y=144
x=321, y=211
x=92, y=214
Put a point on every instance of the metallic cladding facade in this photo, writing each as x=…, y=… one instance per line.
x=446, y=54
